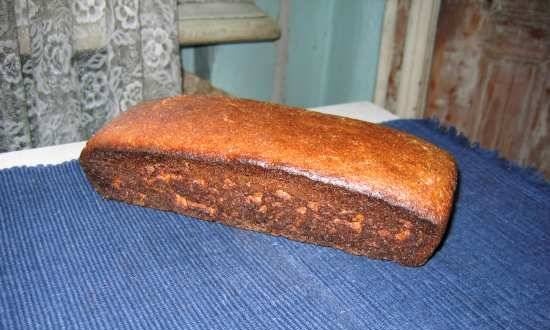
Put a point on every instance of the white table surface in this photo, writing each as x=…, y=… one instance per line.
x=57, y=154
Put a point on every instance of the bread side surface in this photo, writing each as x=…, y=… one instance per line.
x=372, y=159
x=360, y=187
x=268, y=201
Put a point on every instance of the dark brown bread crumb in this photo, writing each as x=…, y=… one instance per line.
x=359, y=187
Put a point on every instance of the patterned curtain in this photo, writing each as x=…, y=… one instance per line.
x=68, y=66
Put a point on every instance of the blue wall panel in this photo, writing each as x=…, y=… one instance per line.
x=355, y=44
x=332, y=55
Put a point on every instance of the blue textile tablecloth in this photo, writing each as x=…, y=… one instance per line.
x=71, y=260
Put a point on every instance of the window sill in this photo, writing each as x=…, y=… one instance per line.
x=211, y=23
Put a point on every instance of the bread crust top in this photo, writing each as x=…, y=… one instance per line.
x=372, y=159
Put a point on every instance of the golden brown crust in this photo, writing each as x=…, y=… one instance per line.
x=378, y=161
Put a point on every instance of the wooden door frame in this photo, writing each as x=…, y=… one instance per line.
x=414, y=69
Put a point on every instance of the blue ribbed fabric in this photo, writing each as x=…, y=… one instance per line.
x=71, y=260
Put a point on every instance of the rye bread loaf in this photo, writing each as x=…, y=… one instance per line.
x=356, y=186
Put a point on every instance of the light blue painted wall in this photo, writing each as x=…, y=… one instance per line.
x=332, y=55
x=308, y=51
x=356, y=34
x=244, y=69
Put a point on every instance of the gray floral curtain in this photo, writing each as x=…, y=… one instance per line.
x=68, y=66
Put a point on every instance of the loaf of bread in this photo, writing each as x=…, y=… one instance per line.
x=333, y=181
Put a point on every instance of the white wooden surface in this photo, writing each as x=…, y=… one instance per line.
x=57, y=154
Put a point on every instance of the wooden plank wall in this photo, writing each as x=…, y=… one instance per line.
x=400, y=33
x=490, y=76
